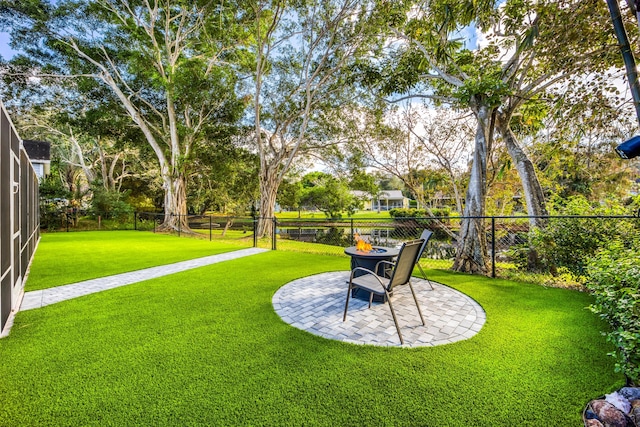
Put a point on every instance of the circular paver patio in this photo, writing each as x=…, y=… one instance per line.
x=316, y=304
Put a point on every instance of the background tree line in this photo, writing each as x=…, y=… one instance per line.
x=191, y=106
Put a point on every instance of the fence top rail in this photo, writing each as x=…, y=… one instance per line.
x=441, y=218
x=198, y=216
x=407, y=218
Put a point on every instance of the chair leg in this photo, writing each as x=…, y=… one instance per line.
x=424, y=275
x=395, y=320
x=416, y=300
x=370, y=298
x=346, y=305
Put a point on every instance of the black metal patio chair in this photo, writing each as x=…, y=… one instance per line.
x=382, y=286
x=426, y=235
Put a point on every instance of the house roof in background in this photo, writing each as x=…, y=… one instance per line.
x=384, y=195
x=392, y=195
x=37, y=150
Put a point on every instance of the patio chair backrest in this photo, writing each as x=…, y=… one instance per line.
x=426, y=235
x=404, y=264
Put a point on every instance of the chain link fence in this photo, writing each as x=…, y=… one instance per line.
x=207, y=226
x=565, y=242
x=57, y=216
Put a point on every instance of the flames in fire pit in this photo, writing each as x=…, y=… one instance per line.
x=361, y=245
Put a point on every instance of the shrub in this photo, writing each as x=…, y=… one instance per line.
x=569, y=242
x=110, y=205
x=52, y=213
x=402, y=213
x=614, y=280
x=418, y=213
x=334, y=236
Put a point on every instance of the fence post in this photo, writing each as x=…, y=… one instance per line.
x=352, y=238
x=493, y=247
x=210, y=227
x=179, y=224
x=255, y=232
x=273, y=238
x=135, y=221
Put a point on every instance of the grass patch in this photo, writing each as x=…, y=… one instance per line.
x=64, y=258
x=303, y=247
x=204, y=347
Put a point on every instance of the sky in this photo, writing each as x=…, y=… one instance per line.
x=5, y=51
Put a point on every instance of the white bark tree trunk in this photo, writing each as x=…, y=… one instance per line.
x=533, y=192
x=269, y=183
x=175, y=203
x=471, y=254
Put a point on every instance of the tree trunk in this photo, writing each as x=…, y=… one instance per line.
x=268, y=191
x=88, y=173
x=228, y=224
x=533, y=193
x=471, y=253
x=175, y=204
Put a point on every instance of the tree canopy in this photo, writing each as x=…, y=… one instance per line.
x=213, y=104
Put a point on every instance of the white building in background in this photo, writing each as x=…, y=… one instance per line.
x=386, y=200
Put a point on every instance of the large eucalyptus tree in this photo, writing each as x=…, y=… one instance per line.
x=166, y=61
x=531, y=46
x=303, y=52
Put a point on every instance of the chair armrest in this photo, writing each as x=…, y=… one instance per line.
x=362, y=269
x=384, y=261
x=368, y=271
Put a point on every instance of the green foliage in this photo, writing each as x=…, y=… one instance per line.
x=334, y=236
x=158, y=75
x=224, y=177
x=359, y=179
x=578, y=157
x=328, y=194
x=491, y=89
x=418, y=213
x=52, y=213
x=568, y=242
x=51, y=187
x=109, y=204
x=614, y=280
x=54, y=201
x=290, y=194
x=529, y=119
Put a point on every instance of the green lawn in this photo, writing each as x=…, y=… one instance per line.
x=72, y=257
x=205, y=347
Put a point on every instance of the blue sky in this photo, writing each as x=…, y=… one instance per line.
x=5, y=51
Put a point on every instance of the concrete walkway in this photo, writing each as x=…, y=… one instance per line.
x=41, y=298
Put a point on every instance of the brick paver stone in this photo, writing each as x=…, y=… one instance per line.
x=316, y=304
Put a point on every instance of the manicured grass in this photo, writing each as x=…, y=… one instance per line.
x=72, y=257
x=205, y=347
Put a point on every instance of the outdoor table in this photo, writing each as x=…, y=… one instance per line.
x=369, y=260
